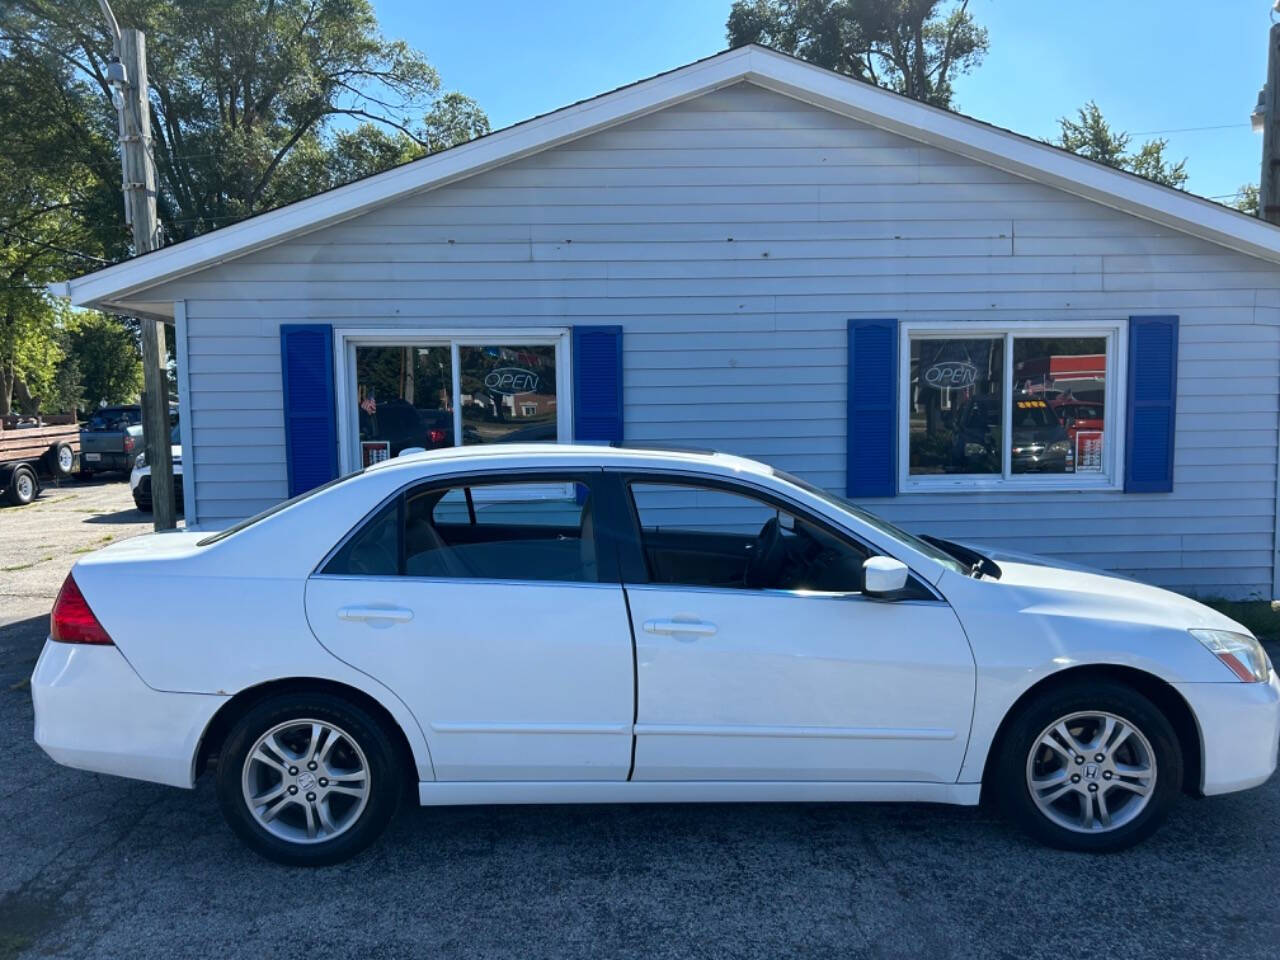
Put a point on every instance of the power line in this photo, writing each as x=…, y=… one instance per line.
x=1220, y=126
x=52, y=246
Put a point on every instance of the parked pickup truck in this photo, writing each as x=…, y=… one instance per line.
x=112, y=439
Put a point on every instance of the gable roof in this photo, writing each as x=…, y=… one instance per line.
x=116, y=285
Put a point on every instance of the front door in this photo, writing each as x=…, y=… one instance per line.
x=758, y=658
x=490, y=609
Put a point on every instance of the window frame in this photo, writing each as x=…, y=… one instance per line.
x=1114, y=331
x=347, y=339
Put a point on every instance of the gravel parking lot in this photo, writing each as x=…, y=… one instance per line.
x=94, y=866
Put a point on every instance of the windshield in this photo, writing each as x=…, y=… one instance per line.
x=871, y=520
x=271, y=511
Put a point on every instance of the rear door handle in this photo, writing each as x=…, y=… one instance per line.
x=375, y=614
x=675, y=628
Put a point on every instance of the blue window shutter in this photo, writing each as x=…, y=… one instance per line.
x=597, y=384
x=310, y=425
x=1152, y=399
x=872, y=467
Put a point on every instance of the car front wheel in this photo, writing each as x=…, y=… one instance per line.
x=1092, y=767
x=308, y=779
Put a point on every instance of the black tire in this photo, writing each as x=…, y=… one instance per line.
x=386, y=778
x=23, y=486
x=59, y=460
x=1011, y=768
x=143, y=505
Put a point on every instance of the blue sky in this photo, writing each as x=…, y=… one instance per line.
x=1151, y=66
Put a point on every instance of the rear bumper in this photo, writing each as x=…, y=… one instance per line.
x=1240, y=729
x=107, y=461
x=93, y=712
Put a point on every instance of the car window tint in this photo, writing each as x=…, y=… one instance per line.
x=516, y=531
x=711, y=537
x=374, y=550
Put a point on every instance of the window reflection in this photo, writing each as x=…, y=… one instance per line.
x=404, y=395
x=508, y=394
x=955, y=405
x=1057, y=409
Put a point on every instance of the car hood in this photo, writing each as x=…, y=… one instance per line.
x=1055, y=586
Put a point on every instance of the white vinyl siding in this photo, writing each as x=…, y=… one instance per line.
x=733, y=236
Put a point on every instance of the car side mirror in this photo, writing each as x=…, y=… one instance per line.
x=883, y=575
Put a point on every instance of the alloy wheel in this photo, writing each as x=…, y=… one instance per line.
x=25, y=486
x=306, y=781
x=1091, y=772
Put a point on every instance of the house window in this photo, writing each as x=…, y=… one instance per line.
x=401, y=390
x=1025, y=406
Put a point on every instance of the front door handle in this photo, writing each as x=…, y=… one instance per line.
x=676, y=628
x=375, y=614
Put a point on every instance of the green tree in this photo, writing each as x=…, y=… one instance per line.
x=1091, y=136
x=255, y=103
x=914, y=47
x=1247, y=200
x=107, y=358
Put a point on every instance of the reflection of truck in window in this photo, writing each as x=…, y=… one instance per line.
x=1039, y=440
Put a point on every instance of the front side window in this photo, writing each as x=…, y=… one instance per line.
x=1009, y=406
x=711, y=537
x=486, y=531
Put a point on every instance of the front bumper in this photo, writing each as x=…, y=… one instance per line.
x=93, y=712
x=1240, y=731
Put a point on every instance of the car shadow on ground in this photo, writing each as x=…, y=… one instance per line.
x=120, y=516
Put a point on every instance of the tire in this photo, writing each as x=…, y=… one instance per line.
x=1071, y=771
x=59, y=460
x=144, y=506
x=23, y=486
x=299, y=801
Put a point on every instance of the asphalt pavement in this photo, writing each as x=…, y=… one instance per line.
x=95, y=866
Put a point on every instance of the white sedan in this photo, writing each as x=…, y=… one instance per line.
x=560, y=624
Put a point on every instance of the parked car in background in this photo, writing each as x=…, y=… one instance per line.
x=112, y=438
x=1040, y=443
x=543, y=623
x=140, y=477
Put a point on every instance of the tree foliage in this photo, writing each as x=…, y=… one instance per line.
x=1247, y=200
x=1091, y=136
x=254, y=103
x=914, y=47
x=107, y=358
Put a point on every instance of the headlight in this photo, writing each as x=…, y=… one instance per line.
x=1242, y=654
x=140, y=460
x=1059, y=446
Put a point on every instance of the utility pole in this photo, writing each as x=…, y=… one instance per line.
x=127, y=72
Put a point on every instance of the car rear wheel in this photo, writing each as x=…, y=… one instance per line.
x=1093, y=767
x=308, y=779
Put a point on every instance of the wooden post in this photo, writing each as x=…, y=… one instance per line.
x=1269, y=192
x=140, y=197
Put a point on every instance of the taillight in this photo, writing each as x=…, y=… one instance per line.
x=436, y=435
x=72, y=621
x=128, y=444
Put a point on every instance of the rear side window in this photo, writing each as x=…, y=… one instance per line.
x=490, y=531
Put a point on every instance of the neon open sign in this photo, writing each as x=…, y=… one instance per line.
x=951, y=373
x=511, y=381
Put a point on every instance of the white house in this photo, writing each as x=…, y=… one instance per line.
x=974, y=333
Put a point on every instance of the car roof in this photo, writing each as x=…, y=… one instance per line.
x=565, y=454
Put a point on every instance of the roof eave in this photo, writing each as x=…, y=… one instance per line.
x=113, y=287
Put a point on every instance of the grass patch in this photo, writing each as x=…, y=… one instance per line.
x=1257, y=615
x=100, y=542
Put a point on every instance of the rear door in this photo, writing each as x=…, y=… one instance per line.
x=493, y=609
x=777, y=667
